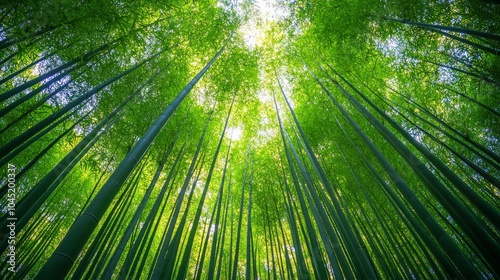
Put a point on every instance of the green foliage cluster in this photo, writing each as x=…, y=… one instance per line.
x=242, y=139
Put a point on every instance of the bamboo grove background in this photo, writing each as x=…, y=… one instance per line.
x=154, y=139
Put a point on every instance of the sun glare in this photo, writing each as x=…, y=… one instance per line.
x=264, y=12
x=234, y=133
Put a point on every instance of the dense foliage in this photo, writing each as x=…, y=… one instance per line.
x=250, y=139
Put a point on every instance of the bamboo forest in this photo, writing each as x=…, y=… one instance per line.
x=250, y=139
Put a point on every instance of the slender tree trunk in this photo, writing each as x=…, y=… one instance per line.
x=65, y=255
x=468, y=42
x=14, y=74
x=465, y=266
x=215, y=243
x=85, y=58
x=448, y=28
x=62, y=167
x=187, y=251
